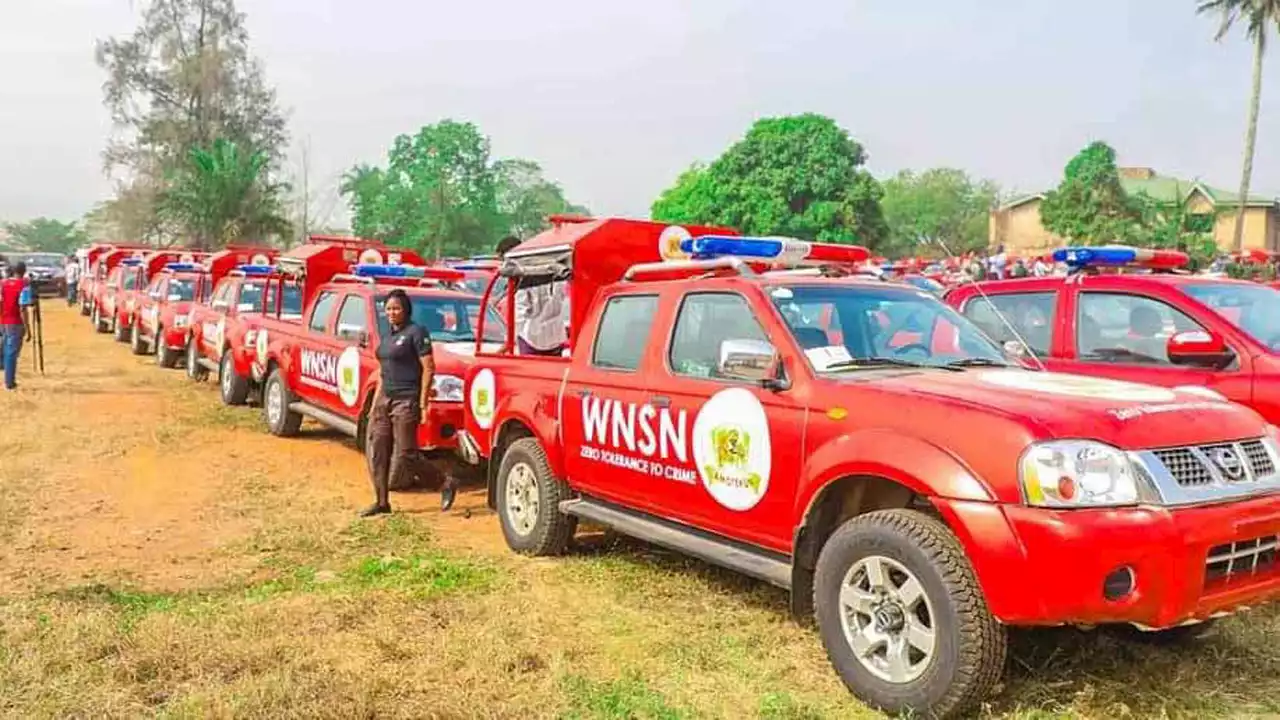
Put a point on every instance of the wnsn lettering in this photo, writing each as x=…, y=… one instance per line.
x=320, y=367
x=636, y=428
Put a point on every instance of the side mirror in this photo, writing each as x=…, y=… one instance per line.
x=753, y=361
x=1014, y=349
x=1198, y=348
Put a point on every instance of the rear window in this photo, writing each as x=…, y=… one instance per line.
x=624, y=332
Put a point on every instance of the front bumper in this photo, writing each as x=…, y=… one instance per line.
x=440, y=432
x=1047, y=567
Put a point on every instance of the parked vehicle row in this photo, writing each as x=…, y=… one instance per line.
x=920, y=475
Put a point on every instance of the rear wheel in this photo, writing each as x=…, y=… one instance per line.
x=235, y=389
x=118, y=330
x=195, y=370
x=165, y=357
x=529, y=496
x=136, y=345
x=902, y=616
x=276, y=399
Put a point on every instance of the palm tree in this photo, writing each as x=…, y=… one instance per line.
x=1258, y=16
x=224, y=194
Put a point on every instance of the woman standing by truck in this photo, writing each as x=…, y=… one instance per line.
x=407, y=366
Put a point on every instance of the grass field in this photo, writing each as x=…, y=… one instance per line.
x=161, y=555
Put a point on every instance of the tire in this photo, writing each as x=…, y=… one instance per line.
x=84, y=309
x=165, y=357
x=95, y=318
x=281, y=421
x=529, y=498
x=118, y=331
x=1169, y=637
x=235, y=389
x=136, y=345
x=194, y=370
x=967, y=652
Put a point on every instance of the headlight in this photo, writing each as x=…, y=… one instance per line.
x=446, y=388
x=1077, y=473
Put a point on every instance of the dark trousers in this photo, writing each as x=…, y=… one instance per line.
x=391, y=443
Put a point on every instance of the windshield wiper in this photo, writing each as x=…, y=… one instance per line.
x=872, y=362
x=976, y=362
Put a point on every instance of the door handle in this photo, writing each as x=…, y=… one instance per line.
x=661, y=401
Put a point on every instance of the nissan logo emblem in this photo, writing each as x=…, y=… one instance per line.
x=1229, y=462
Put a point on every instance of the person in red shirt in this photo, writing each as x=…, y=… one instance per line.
x=15, y=322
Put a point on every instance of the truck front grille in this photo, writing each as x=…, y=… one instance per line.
x=1241, y=558
x=1194, y=466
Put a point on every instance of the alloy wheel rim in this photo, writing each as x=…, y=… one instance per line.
x=888, y=620
x=522, y=498
x=275, y=402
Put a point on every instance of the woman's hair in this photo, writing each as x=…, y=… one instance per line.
x=403, y=298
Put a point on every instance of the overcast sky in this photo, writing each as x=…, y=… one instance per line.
x=614, y=98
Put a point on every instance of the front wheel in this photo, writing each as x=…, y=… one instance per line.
x=136, y=346
x=118, y=330
x=165, y=357
x=95, y=318
x=276, y=398
x=194, y=370
x=235, y=389
x=902, y=616
x=529, y=496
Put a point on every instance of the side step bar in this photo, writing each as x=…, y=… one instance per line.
x=756, y=563
x=208, y=364
x=340, y=424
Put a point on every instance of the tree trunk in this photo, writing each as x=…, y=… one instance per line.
x=1250, y=139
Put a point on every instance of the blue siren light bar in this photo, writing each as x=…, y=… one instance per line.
x=471, y=266
x=387, y=271
x=256, y=269
x=1120, y=256
x=184, y=267
x=776, y=249
x=131, y=262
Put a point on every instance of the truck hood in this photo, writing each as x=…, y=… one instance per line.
x=1127, y=415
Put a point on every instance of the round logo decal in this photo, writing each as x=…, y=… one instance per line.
x=482, y=397
x=349, y=376
x=731, y=448
x=669, y=243
x=370, y=257
x=1052, y=383
x=260, y=346
x=260, y=259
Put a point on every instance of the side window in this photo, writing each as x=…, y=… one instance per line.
x=1030, y=314
x=352, y=318
x=705, y=321
x=321, y=312
x=222, y=296
x=1116, y=328
x=624, y=330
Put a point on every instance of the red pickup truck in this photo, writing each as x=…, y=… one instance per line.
x=126, y=286
x=917, y=502
x=96, y=267
x=325, y=368
x=1162, y=328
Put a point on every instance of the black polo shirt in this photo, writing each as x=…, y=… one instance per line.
x=400, y=356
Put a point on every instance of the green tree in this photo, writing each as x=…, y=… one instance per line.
x=1177, y=226
x=441, y=192
x=525, y=198
x=46, y=235
x=182, y=80
x=938, y=204
x=1260, y=18
x=1090, y=206
x=223, y=194
x=800, y=176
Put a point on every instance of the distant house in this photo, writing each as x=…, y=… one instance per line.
x=1016, y=224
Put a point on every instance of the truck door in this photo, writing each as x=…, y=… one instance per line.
x=743, y=452
x=613, y=437
x=314, y=354
x=1123, y=335
x=352, y=368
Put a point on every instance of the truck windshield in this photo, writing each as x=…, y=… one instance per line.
x=181, y=289
x=448, y=319
x=1252, y=308
x=844, y=327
